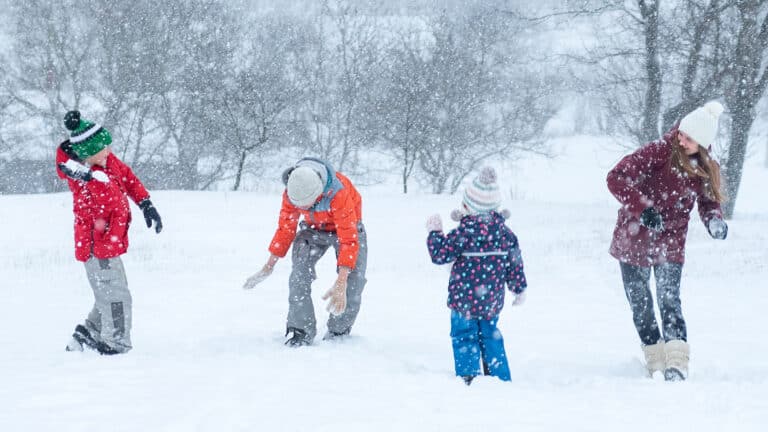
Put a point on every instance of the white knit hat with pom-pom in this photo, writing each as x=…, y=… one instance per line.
x=482, y=195
x=701, y=123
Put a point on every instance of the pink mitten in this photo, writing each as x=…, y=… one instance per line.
x=434, y=223
x=519, y=299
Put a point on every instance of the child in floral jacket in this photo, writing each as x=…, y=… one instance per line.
x=486, y=259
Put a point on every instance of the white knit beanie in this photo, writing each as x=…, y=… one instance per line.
x=304, y=186
x=482, y=195
x=701, y=123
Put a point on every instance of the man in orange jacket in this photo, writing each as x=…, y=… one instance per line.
x=332, y=216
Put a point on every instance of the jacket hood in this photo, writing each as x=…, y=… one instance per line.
x=490, y=223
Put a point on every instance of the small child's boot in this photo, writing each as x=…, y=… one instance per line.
x=677, y=354
x=655, y=358
x=74, y=345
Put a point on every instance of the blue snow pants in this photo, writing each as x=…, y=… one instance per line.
x=474, y=339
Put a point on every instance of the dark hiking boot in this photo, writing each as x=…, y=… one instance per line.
x=330, y=335
x=298, y=338
x=468, y=379
x=83, y=337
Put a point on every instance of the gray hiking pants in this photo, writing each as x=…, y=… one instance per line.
x=110, y=319
x=308, y=247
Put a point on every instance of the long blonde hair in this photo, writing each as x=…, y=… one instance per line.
x=707, y=169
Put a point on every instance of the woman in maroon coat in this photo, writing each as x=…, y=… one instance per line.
x=657, y=186
x=101, y=185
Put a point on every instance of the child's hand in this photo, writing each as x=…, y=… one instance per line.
x=151, y=215
x=434, y=223
x=76, y=171
x=519, y=299
x=257, y=278
x=337, y=295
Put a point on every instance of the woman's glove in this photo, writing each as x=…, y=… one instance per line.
x=651, y=219
x=717, y=228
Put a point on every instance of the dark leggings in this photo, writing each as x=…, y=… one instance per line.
x=636, y=285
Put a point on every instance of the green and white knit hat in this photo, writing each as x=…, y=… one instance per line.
x=87, y=138
x=482, y=195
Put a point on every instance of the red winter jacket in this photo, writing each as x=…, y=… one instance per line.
x=102, y=212
x=645, y=179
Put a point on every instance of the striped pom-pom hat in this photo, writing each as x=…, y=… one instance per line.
x=482, y=195
x=87, y=138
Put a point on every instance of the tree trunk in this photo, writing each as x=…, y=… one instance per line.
x=734, y=166
x=239, y=174
x=650, y=127
x=750, y=81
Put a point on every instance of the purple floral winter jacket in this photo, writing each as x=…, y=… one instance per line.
x=486, y=258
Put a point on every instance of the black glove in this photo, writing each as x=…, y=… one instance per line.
x=151, y=214
x=717, y=228
x=651, y=219
x=76, y=171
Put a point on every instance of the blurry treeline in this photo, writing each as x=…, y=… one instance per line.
x=202, y=94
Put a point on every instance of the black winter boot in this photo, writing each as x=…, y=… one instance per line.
x=330, y=335
x=298, y=339
x=468, y=379
x=84, y=338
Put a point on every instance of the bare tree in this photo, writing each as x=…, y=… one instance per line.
x=649, y=21
x=725, y=47
x=697, y=56
x=126, y=73
x=338, y=79
x=711, y=49
x=45, y=72
x=406, y=102
x=747, y=81
x=196, y=39
x=254, y=108
x=477, y=111
x=5, y=103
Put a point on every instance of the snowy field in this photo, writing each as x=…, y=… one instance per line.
x=208, y=356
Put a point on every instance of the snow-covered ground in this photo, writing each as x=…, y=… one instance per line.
x=208, y=356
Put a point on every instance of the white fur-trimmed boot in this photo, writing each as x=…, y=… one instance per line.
x=655, y=358
x=677, y=353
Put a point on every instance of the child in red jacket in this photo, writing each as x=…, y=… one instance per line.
x=100, y=182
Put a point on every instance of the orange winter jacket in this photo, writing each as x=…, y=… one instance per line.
x=339, y=210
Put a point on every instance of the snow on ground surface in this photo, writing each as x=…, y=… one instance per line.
x=208, y=356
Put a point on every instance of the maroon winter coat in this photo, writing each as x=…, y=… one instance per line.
x=645, y=179
x=102, y=212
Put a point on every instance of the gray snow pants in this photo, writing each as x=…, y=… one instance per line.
x=308, y=247
x=110, y=319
